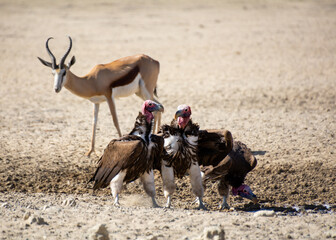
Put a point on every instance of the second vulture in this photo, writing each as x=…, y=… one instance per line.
x=180, y=154
x=227, y=161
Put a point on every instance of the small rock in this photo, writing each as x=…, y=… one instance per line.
x=45, y=207
x=26, y=215
x=99, y=232
x=5, y=205
x=37, y=220
x=69, y=202
x=214, y=232
x=264, y=213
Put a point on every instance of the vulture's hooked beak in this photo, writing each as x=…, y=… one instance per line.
x=245, y=192
x=255, y=200
x=252, y=197
x=179, y=113
x=159, y=108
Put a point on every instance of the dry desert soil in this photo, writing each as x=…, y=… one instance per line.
x=265, y=70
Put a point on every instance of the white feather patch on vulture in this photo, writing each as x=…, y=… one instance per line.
x=180, y=157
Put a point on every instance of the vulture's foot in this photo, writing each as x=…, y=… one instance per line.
x=116, y=204
x=155, y=205
x=168, y=204
x=116, y=201
x=201, y=205
x=195, y=201
x=224, y=206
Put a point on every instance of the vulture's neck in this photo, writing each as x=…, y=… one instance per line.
x=142, y=127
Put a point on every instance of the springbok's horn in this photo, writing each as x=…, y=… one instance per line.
x=53, y=59
x=66, y=54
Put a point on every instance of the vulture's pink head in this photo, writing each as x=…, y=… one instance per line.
x=150, y=106
x=183, y=115
x=245, y=192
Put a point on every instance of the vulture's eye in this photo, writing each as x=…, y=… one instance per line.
x=186, y=110
x=150, y=104
x=245, y=191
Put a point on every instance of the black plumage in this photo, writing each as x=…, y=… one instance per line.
x=186, y=154
x=229, y=170
x=213, y=146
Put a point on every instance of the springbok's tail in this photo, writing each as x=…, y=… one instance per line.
x=155, y=92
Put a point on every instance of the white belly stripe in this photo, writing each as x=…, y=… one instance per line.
x=122, y=91
x=127, y=90
x=98, y=99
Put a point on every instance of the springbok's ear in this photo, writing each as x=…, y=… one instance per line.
x=72, y=61
x=48, y=64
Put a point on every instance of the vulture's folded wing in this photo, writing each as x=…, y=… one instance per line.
x=214, y=146
x=120, y=154
x=217, y=172
x=243, y=157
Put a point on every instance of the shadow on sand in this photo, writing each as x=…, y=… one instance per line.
x=307, y=208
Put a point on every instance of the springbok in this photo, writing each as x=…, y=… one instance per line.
x=121, y=78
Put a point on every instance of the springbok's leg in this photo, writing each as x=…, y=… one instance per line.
x=94, y=127
x=157, y=122
x=110, y=102
x=157, y=119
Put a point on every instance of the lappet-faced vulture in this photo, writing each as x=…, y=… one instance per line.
x=132, y=156
x=180, y=154
x=229, y=167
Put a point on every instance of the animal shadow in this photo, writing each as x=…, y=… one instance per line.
x=259, y=153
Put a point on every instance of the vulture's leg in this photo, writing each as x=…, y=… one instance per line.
x=116, y=186
x=196, y=183
x=223, y=190
x=204, y=187
x=168, y=182
x=147, y=180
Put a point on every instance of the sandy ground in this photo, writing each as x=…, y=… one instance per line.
x=265, y=70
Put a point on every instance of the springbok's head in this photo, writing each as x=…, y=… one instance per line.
x=59, y=71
